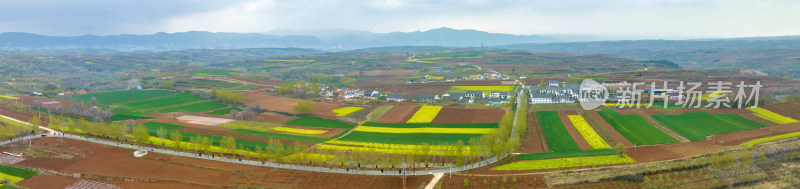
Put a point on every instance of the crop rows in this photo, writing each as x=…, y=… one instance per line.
x=695, y=126
x=635, y=128
x=425, y=114
x=565, y=162
x=770, y=139
x=424, y=130
x=346, y=110
x=173, y=100
x=318, y=122
x=587, y=132
x=122, y=96
x=555, y=133
x=771, y=116
x=408, y=138
x=300, y=131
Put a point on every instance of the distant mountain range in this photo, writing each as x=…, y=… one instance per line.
x=330, y=40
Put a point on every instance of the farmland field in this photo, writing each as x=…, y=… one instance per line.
x=772, y=116
x=555, y=133
x=225, y=111
x=425, y=114
x=635, y=128
x=392, y=148
x=318, y=122
x=439, y=125
x=122, y=96
x=210, y=72
x=408, y=138
x=172, y=100
x=695, y=126
x=299, y=131
x=206, y=83
x=587, y=132
x=424, y=130
x=770, y=139
x=551, y=155
x=122, y=117
x=280, y=136
x=565, y=162
x=14, y=175
x=346, y=110
x=152, y=128
x=194, y=108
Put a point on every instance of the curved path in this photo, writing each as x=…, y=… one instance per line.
x=53, y=133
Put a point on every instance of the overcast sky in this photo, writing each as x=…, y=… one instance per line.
x=673, y=18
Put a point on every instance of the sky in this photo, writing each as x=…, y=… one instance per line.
x=666, y=18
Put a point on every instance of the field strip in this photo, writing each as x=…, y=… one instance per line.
x=424, y=130
x=658, y=125
x=145, y=98
x=179, y=105
x=587, y=132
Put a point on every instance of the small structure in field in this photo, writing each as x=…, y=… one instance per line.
x=139, y=153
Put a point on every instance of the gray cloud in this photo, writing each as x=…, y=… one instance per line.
x=690, y=18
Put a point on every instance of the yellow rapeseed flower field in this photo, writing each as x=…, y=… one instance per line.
x=346, y=111
x=565, y=162
x=300, y=131
x=425, y=114
x=424, y=130
x=587, y=132
x=771, y=116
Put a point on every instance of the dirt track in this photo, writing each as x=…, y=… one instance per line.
x=535, y=142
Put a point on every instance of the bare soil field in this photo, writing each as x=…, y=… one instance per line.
x=398, y=114
x=535, y=142
x=460, y=115
x=576, y=135
x=511, y=181
x=275, y=118
x=282, y=104
x=790, y=109
x=115, y=165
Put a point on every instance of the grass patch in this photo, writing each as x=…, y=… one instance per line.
x=635, y=128
x=318, y=122
x=551, y=155
x=122, y=96
x=17, y=172
x=280, y=136
x=695, y=126
x=555, y=133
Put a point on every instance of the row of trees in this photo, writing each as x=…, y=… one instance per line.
x=227, y=96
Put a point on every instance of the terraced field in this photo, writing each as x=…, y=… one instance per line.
x=635, y=128
x=695, y=126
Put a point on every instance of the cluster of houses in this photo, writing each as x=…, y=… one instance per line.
x=554, y=91
x=491, y=98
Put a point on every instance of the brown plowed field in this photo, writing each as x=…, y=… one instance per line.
x=576, y=135
x=790, y=109
x=165, y=171
x=283, y=104
x=614, y=133
x=459, y=115
x=535, y=142
x=398, y=114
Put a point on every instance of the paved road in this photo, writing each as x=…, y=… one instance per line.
x=54, y=133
